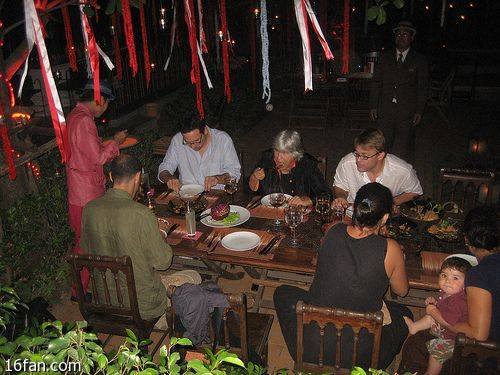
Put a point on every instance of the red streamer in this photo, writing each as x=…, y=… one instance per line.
x=116, y=46
x=145, y=48
x=195, y=62
x=203, y=39
x=129, y=36
x=94, y=59
x=225, y=52
x=345, y=38
x=70, y=47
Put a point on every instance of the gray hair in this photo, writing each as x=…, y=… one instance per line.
x=289, y=141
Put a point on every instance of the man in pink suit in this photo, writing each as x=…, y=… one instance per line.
x=84, y=170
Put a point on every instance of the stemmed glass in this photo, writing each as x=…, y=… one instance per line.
x=231, y=187
x=293, y=217
x=323, y=207
x=276, y=200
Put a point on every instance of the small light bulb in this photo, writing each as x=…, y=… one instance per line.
x=427, y=7
x=462, y=17
x=353, y=9
x=277, y=17
x=451, y=5
x=163, y=24
x=221, y=35
x=256, y=12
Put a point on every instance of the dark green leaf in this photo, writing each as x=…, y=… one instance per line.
x=381, y=17
x=131, y=335
x=399, y=3
x=58, y=344
x=110, y=7
x=372, y=12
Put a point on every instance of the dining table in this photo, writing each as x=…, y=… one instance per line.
x=283, y=264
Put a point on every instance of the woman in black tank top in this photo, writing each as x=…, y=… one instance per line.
x=355, y=266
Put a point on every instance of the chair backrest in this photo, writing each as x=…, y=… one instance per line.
x=113, y=306
x=475, y=357
x=238, y=305
x=466, y=187
x=339, y=318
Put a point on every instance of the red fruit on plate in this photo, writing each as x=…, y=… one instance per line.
x=219, y=211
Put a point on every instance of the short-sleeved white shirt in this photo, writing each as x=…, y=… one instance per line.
x=397, y=175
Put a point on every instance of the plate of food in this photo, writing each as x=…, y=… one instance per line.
x=241, y=241
x=177, y=206
x=265, y=201
x=223, y=215
x=189, y=191
x=445, y=230
x=399, y=228
x=128, y=142
x=421, y=211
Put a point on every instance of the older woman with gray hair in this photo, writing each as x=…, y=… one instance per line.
x=287, y=168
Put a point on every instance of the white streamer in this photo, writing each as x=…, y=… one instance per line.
x=205, y=71
x=306, y=45
x=29, y=9
x=172, y=36
x=266, y=84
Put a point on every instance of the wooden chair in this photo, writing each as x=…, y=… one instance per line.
x=339, y=318
x=113, y=306
x=467, y=188
x=242, y=333
x=475, y=357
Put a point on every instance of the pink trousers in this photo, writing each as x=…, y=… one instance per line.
x=75, y=222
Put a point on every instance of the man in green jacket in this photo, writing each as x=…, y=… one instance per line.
x=115, y=225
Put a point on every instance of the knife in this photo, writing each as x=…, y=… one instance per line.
x=215, y=244
x=269, y=244
x=202, y=216
x=273, y=244
x=172, y=228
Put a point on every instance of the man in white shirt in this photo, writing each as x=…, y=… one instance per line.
x=370, y=163
x=203, y=155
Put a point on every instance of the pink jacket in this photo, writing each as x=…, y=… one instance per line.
x=84, y=170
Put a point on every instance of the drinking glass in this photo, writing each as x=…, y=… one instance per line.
x=293, y=217
x=231, y=187
x=323, y=207
x=277, y=200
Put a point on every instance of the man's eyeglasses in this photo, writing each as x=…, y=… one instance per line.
x=193, y=143
x=364, y=157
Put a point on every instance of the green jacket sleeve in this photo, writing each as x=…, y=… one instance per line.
x=157, y=250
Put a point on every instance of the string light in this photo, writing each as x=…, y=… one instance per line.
x=471, y=5
x=256, y=12
x=353, y=9
x=221, y=35
x=462, y=17
x=276, y=17
x=451, y=5
x=427, y=7
x=112, y=30
x=153, y=65
x=163, y=24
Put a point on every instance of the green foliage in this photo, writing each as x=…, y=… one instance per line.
x=37, y=235
x=378, y=12
x=359, y=371
x=55, y=342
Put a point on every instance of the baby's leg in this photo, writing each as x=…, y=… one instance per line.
x=433, y=367
x=424, y=323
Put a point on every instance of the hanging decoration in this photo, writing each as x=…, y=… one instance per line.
x=203, y=40
x=129, y=35
x=302, y=10
x=70, y=47
x=443, y=12
x=92, y=54
x=266, y=83
x=4, y=131
x=34, y=36
x=116, y=46
x=145, y=48
x=345, y=38
x=225, y=51
x=172, y=35
x=195, y=63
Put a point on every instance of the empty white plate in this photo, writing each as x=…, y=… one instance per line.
x=241, y=241
x=265, y=200
x=190, y=190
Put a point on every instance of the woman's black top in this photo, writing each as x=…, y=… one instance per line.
x=304, y=179
x=350, y=272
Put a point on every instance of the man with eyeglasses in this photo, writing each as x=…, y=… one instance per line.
x=370, y=163
x=399, y=92
x=203, y=156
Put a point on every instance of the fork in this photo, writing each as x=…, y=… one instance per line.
x=216, y=242
x=210, y=238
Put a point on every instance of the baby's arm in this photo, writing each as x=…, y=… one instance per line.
x=433, y=311
x=422, y=324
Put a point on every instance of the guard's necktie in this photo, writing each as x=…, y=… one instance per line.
x=400, y=58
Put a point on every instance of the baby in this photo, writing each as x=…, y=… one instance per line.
x=448, y=310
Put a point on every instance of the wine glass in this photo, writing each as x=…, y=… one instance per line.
x=276, y=200
x=231, y=187
x=293, y=217
x=323, y=207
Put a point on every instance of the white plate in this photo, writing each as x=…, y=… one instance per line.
x=190, y=190
x=241, y=241
x=265, y=200
x=244, y=216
